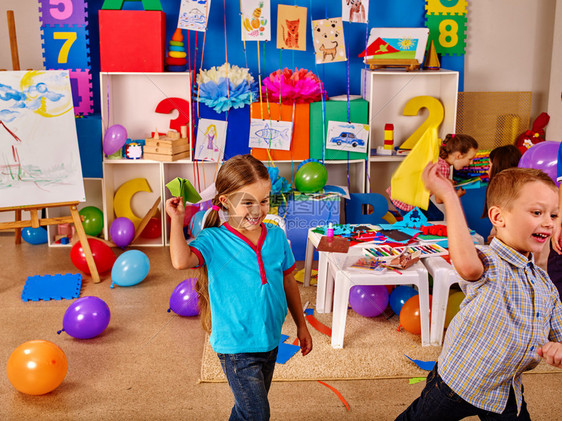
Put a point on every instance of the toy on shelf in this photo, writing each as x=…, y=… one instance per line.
x=535, y=135
x=176, y=60
x=431, y=60
x=168, y=148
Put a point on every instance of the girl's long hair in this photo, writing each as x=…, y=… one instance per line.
x=234, y=174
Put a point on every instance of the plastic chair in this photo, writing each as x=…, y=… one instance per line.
x=340, y=279
x=354, y=208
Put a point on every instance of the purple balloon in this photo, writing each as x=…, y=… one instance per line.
x=114, y=139
x=86, y=318
x=368, y=300
x=542, y=156
x=183, y=300
x=122, y=231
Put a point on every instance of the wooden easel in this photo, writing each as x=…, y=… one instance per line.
x=36, y=222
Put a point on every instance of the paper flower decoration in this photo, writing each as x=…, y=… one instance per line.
x=225, y=87
x=300, y=86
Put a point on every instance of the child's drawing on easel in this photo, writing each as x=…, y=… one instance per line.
x=39, y=157
x=211, y=138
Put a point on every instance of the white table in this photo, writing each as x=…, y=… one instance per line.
x=342, y=277
x=312, y=241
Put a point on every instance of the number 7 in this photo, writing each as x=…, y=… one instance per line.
x=70, y=37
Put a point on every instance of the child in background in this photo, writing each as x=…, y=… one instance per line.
x=457, y=150
x=248, y=284
x=511, y=316
x=501, y=158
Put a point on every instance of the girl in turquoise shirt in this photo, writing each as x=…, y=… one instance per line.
x=247, y=285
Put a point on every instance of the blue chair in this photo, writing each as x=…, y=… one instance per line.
x=356, y=206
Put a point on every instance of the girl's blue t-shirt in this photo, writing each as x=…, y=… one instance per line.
x=248, y=302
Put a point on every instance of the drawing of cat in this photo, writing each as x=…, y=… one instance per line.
x=292, y=38
x=328, y=35
x=329, y=51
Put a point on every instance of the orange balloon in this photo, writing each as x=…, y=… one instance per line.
x=37, y=367
x=410, y=315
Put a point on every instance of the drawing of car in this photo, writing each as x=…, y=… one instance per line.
x=349, y=138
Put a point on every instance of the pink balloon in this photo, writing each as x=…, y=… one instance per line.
x=114, y=139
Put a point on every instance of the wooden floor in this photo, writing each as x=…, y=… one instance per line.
x=145, y=366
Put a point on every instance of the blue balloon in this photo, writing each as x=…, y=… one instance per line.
x=130, y=268
x=399, y=296
x=35, y=235
x=197, y=223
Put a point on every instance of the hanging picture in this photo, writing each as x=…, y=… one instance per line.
x=355, y=10
x=352, y=137
x=329, y=43
x=256, y=20
x=271, y=134
x=396, y=43
x=291, y=27
x=211, y=140
x=39, y=157
x=193, y=14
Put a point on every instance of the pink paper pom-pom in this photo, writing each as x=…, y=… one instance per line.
x=300, y=86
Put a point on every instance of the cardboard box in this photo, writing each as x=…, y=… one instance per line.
x=303, y=213
x=335, y=111
x=132, y=40
x=300, y=143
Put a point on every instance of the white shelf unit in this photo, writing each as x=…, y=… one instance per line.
x=93, y=188
x=388, y=92
x=130, y=99
x=117, y=172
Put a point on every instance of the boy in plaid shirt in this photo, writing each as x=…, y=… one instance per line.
x=512, y=314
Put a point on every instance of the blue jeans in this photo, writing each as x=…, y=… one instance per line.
x=249, y=377
x=438, y=402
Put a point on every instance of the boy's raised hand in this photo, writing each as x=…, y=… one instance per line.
x=551, y=352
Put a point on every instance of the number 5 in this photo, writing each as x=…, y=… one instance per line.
x=66, y=11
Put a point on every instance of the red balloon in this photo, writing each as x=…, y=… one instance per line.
x=153, y=229
x=104, y=257
x=410, y=315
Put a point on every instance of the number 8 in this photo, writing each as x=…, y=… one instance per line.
x=451, y=32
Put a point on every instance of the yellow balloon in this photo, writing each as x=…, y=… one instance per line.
x=123, y=196
x=453, y=306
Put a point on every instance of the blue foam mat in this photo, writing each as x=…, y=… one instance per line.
x=52, y=287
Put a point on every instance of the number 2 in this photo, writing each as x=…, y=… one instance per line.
x=433, y=120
